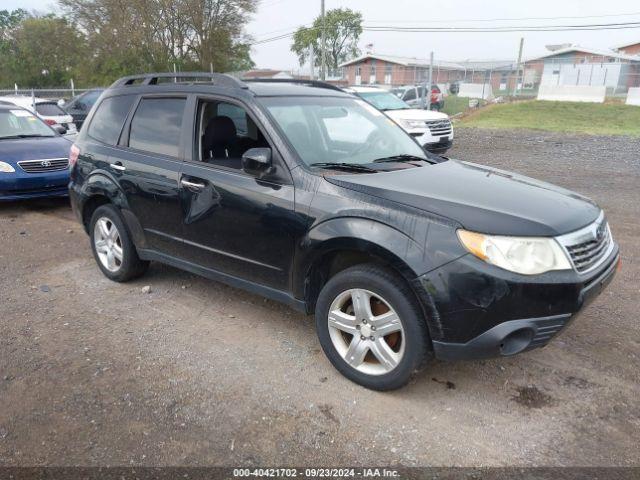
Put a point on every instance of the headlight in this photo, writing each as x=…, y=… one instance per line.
x=413, y=124
x=6, y=168
x=525, y=255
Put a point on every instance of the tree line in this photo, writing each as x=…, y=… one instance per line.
x=95, y=42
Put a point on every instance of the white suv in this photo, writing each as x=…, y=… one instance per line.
x=433, y=130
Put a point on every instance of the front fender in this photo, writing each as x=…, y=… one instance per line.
x=359, y=234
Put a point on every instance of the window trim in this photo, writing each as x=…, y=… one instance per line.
x=193, y=159
x=125, y=134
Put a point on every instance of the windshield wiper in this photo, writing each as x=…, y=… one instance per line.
x=25, y=135
x=344, y=166
x=400, y=159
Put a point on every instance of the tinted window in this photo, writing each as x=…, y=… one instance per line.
x=410, y=94
x=156, y=126
x=87, y=99
x=109, y=119
x=49, y=109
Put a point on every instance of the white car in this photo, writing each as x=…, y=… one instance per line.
x=47, y=110
x=433, y=130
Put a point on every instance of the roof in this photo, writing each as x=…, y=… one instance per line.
x=265, y=73
x=422, y=62
x=288, y=89
x=619, y=47
x=406, y=61
x=591, y=51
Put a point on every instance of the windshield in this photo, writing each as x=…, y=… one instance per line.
x=383, y=100
x=22, y=123
x=339, y=130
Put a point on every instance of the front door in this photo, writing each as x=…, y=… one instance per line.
x=233, y=222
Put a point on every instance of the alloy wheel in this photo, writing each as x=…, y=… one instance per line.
x=108, y=244
x=366, y=331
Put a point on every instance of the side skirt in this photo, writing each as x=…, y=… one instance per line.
x=268, y=292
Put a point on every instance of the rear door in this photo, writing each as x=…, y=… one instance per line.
x=147, y=166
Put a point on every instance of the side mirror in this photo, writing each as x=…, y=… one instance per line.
x=257, y=161
x=59, y=128
x=62, y=102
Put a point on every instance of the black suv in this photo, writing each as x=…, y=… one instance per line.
x=309, y=196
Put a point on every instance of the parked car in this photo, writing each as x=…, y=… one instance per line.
x=78, y=107
x=47, y=110
x=33, y=157
x=433, y=130
x=412, y=95
x=317, y=199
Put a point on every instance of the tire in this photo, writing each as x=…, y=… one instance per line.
x=123, y=263
x=336, y=310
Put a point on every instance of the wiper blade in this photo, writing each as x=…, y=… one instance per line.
x=343, y=165
x=25, y=135
x=400, y=159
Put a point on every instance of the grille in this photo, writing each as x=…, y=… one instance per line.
x=439, y=127
x=44, y=165
x=589, y=246
x=546, y=332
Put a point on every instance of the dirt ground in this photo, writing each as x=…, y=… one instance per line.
x=197, y=373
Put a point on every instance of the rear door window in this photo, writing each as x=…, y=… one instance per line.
x=410, y=94
x=156, y=126
x=109, y=119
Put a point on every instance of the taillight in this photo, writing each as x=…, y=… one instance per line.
x=49, y=121
x=74, y=152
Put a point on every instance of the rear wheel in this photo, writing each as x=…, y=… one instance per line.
x=371, y=327
x=112, y=247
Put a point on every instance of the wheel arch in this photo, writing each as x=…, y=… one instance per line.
x=101, y=189
x=338, y=244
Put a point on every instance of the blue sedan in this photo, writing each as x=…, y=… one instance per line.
x=34, y=159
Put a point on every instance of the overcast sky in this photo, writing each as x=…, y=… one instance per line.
x=275, y=17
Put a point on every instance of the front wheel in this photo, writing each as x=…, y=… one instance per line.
x=371, y=327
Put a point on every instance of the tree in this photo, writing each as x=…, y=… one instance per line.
x=130, y=36
x=343, y=28
x=40, y=51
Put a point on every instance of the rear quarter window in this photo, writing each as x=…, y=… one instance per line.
x=109, y=119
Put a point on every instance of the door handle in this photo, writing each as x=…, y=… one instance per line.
x=118, y=166
x=192, y=185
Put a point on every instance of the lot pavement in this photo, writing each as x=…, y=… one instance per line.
x=197, y=373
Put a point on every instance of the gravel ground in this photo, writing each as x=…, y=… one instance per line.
x=197, y=373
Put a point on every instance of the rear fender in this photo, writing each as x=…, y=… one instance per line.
x=102, y=183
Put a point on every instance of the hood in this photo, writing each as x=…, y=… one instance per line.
x=416, y=114
x=16, y=150
x=481, y=199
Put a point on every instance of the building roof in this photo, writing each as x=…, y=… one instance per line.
x=619, y=47
x=422, y=62
x=592, y=51
x=406, y=61
x=266, y=73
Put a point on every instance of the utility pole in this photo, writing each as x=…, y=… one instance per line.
x=323, y=37
x=515, y=87
x=425, y=99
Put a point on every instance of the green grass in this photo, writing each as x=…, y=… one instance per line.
x=571, y=117
x=454, y=104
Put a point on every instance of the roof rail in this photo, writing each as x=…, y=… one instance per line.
x=220, y=79
x=310, y=83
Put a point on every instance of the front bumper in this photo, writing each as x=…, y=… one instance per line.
x=21, y=185
x=481, y=311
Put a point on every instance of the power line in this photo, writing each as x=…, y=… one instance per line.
x=506, y=19
x=505, y=29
